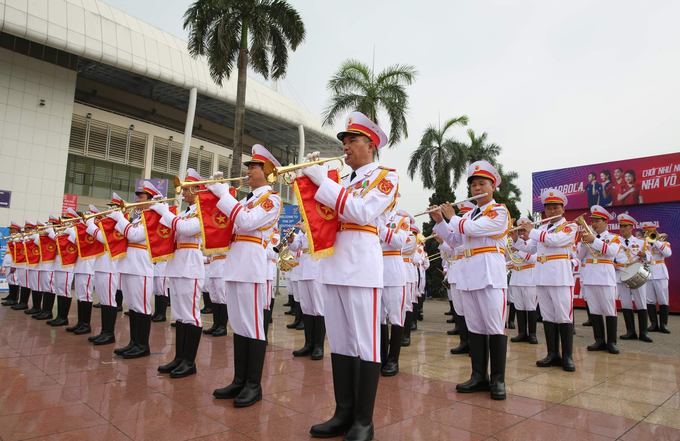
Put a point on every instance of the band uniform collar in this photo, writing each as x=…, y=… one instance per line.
x=363, y=171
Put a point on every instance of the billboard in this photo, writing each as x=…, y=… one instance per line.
x=70, y=201
x=658, y=200
x=4, y=231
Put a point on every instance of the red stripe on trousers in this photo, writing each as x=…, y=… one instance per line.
x=571, y=311
x=87, y=288
x=375, y=314
x=65, y=286
x=193, y=309
x=403, y=301
x=267, y=305
x=51, y=276
x=504, y=312
x=257, y=327
x=145, y=313
x=110, y=275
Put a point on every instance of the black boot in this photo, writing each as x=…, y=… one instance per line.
x=221, y=330
x=266, y=317
x=598, y=332
x=161, y=309
x=362, y=428
x=207, y=304
x=454, y=319
x=391, y=367
x=479, y=354
x=289, y=303
x=532, y=317
x=133, y=334
x=309, y=338
x=80, y=318
x=11, y=299
x=180, y=338
x=345, y=385
x=192, y=340
x=663, y=318
x=522, y=334
x=567, y=336
x=47, y=307
x=588, y=322
x=319, y=337
x=539, y=317
x=421, y=303
x=240, y=370
x=143, y=330
x=86, y=317
x=612, y=323
x=642, y=322
x=92, y=338
x=107, y=336
x=216, y=320
x=511, y=316
x=552, y=340
x=63, y=308
x=406, y=341
x=464, y=346
x=25, y=293
x=97, y=305
x=654, y=322
x=414, y=322
x=119, y=300
x=451, y=309
x=498, y=347
x=36, y=296
x=252, y=391
x=630, y=325
x=298, y=316
x=271, y=310
x=384, y=344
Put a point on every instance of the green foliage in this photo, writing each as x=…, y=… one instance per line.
x=435, y=283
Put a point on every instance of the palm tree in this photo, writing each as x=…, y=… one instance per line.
x=479, y=150
x=508, y=189
x=438, y=157
x=241, y=33
x=356, y=87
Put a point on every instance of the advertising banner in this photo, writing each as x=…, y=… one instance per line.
x=3, y=249
x=5, y=198
x=290, y=215
x=70, y=201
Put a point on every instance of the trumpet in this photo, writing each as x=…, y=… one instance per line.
x=180, y=185
x=12, y=236
x=284, y=241
x=272, y=172
x=126, y=207
x=582, y=222
x=542, y=221
x=420, y=238
x=652, y=236
x=473, y=198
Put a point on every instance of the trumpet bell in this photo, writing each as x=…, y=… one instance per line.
x=178, y=185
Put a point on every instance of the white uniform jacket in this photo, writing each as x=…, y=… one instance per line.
x=136, y=260
x=552, y=245
x=362, y=203
x=188, y=259
x=102, y=264
x=253, y=219
x=408, y=253
x=308, y=268
x=628, y=254
x=660, y=250
x=393, y=237
x=523, y=273
x=593, y=270
x=483, y=238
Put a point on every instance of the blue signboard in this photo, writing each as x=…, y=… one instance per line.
x=3, y=249
x=160, y=184
x=290, y=215
x=5, y=198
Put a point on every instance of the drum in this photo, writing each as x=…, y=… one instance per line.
x=635, y=275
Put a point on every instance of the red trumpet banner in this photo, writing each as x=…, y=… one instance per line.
x=216, y=227
x=11, y=246
x=32, y=252
x=20, y=252
x=116, y=243
x=321, y=221
x=160, y=239
x=67, y=250
x=48, y=249
x=88, y=246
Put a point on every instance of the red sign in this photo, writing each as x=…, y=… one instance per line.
x=70, y=201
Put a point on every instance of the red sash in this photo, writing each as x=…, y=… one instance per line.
x=88, y=246
x=116, y=243
x=321, y=221
x=216, y=227
x=159, y=238
x=32, y=252
x=48, y=249
x=67, y=250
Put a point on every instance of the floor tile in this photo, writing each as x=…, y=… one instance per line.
x=647, y=431
x=531, y=430
x=97, y=433
x=586, y=420
x=654, y=397
x=473, y=419
x=39, y=400
x=99, y=376
x=409, y=402
x=665, y=416
x=292, y=428
x=514, y=404
x=181, y=425
x=613, y=406
x=49, y=421
x=23, y=385
x=419, y=428
x=302, y=400
x=264, y=411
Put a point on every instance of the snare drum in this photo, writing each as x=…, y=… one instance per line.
x=635, y=275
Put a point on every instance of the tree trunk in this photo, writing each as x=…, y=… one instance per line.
x=240, y=104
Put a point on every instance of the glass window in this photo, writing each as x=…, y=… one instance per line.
x=98, y=179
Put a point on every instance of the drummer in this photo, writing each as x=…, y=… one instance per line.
x=632, y=254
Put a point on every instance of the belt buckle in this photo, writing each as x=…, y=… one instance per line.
x=594, y=260
x=467, y=253
x=543, y=259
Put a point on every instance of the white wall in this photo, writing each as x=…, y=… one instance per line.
x=33, y=139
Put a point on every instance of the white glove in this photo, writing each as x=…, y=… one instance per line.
x=314, y=156
x=217, y=175
x=49, y=230
x=160, y=208
x=317, y=173
x=90, y=222
x=218, y=190
x=116, y=215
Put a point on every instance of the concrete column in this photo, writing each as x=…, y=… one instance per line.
x=301, y=148
x=148, y=161
x=188, y=130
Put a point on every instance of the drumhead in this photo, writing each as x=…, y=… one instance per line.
x=631, y=271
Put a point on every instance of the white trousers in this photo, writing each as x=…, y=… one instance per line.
x=353, y=321
x=601, y=299
x=217, y=288
x=292, y=288
x=457, y=299
x=557, y=303
x=137, y=292
x=311, y=297
x=632, y=298
x=186, y=299
x=21, y=276
x=33, y=279
x=160, y=286
x=84, y=284
x=510, y=292
x=46, y=281
x=394, y=299
x=270, y=293
x=412, y=296
x=11, y=277
x=106, y=285
x=62, y=283
x=485, y=310
x=524, y=297
x=657, y=291
x=245, y=303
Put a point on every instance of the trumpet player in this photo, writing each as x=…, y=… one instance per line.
x=32, y=245
x=632, y=250
x=22, y=269
x=274, y=240
x=657, y=286
x=186, y=275
x=522, y=287
x=63, y=270
x=598, y=278
x=483, y=280
x=254, y=218
x=408, y=253
x=9, y=266
x=83, y=285
x=552, y=244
